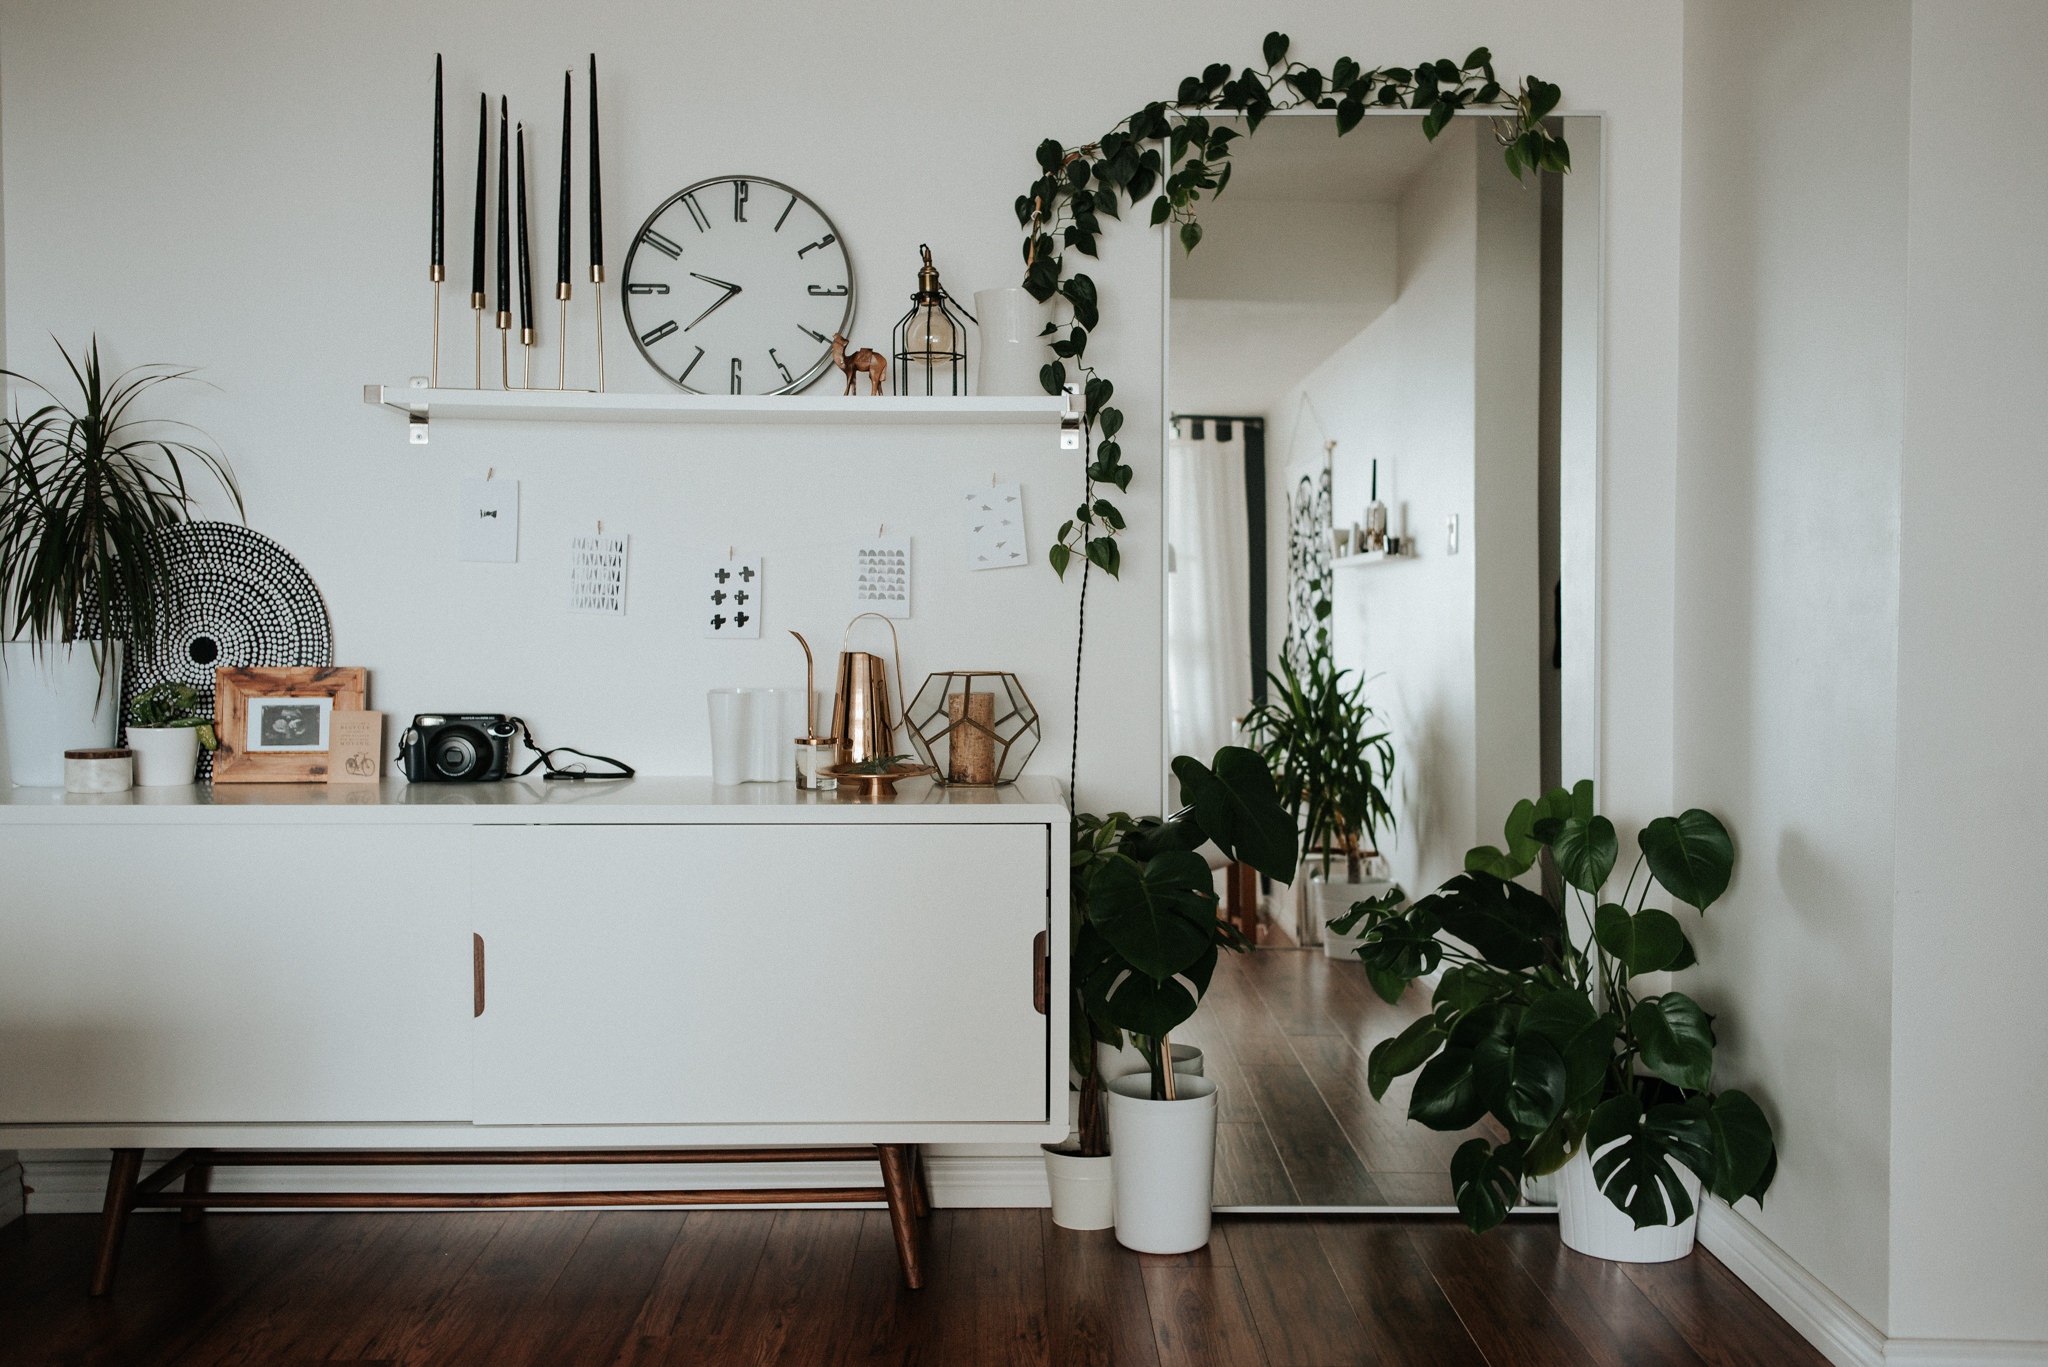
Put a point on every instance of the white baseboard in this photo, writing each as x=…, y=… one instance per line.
x=1827, y=1321
x=75, y=1182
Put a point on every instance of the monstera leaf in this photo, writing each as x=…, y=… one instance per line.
x=1646, y=942
x=1522, y=1079
x=1240, y=809
x=1505, y=922
x=1523, y=846
x=1448, y=1095
x=1404, y=1053
x=1690, y=854
x=1486, y=1181
x=1583, y=1038
x=1676, y=1040
x=1745, y=1157
x=1160, y=915
x=1132, y=1001
x=1585, y=850
x=1636, y=1172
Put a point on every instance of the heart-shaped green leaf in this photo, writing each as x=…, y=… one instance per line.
x=1676, y=1040
x=1745, y=1155
x=1404, y=1053
x=1585, y=851
x=1486, y=1182
x=1130, y=1000
x=1522, y=1080
x=1239, y=806
x=1158, y=914
x=1690, y=854
x=1583, y=1037
x=1632, y=1155
x=1646, y=942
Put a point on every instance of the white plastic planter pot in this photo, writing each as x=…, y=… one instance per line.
x=165, y=756
x=1590, y=1224
x=52, y=702
x=1082, y=1190
x=1328, y=901
x=1163, y=1155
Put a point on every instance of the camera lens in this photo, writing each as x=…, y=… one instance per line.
x=455, y=754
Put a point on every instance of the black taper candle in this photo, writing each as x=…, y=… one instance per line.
x=483, y=172
x=596, y=194
x=562, y=215
x=436, y=271
x=504, y=213
x=525, y=262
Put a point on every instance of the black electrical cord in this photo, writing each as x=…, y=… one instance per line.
x=572, y=772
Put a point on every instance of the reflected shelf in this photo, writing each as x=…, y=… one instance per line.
x=556, y=405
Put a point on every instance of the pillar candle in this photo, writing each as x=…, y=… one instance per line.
x=970, y=749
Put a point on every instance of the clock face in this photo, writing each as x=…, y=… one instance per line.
x=736, y=285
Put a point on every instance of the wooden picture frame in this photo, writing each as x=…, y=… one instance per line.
x=300, y=700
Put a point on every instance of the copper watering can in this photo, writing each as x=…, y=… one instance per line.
x=861, y=717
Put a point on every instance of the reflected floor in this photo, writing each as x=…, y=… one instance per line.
x=1285, y=1033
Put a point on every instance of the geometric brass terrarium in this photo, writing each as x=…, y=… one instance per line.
x=975, y=726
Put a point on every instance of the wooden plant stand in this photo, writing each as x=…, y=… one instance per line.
x=903, y=1187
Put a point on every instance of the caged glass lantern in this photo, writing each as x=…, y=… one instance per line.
x=975, y=726
x=931, y=340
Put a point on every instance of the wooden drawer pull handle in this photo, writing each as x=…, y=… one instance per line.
x=1039, y=969
x=479, y=946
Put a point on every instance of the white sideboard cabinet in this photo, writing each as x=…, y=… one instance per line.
x=655, y=962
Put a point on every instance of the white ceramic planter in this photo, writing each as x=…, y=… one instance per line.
x=1328, y=901
x=165, y=756
x=1082, y=1190
x=1115, y=1063
x=1008, y=323
x=1163, y=1155
x=52, y=704
x=1590, y=1224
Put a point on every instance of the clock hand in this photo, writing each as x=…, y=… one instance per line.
x=730, y=290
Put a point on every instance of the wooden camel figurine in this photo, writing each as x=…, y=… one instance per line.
x=865, y=359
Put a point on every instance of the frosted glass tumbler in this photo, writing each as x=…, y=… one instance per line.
x=751, y=731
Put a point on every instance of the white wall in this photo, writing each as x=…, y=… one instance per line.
x=1969, y=1097
x=1793, y=352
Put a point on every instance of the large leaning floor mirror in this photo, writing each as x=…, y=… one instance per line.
x=1380, y=479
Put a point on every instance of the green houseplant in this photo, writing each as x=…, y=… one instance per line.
x=1537, y=1019
x=85, y=486
x=1144, y=932
x=166, y=728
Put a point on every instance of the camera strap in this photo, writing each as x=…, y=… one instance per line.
x=546, y=758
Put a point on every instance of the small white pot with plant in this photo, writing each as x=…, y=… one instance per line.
x=1146, y=937
x=84, y=490
x=166, y=728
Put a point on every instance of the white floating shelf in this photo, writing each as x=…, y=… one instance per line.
x=552, y=405
x=1370, y=558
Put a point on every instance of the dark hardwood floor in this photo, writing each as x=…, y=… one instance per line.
x=641, y=1288
x=1285, y=1033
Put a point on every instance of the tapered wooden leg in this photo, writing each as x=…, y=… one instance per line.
x=922, y=1186
x=198, y=1182
x=121, y=1177
x=899, y=1184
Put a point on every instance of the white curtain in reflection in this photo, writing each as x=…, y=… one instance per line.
x=1208, y=616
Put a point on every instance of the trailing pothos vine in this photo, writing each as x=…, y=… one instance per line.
x=1172, y=147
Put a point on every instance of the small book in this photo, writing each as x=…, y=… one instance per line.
x=355, y=747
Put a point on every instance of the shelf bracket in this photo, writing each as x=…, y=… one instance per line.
x=1070, y=419
x=416, y=417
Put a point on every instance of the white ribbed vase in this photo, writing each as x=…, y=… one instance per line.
x=1589, y=1223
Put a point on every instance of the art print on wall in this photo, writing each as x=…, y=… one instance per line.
x=881, y=576
x=994, y=521
x=729, y=597
x=597, y=574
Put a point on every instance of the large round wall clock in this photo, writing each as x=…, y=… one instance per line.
x=735, y=285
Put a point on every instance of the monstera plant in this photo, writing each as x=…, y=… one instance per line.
x=1145, y=930
x=1539, y=1019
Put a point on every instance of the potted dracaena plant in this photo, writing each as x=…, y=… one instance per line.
x=1540, y=1021
x=166, y=728
x=1145, y=941
x=85, y=487
x=1333, y=761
